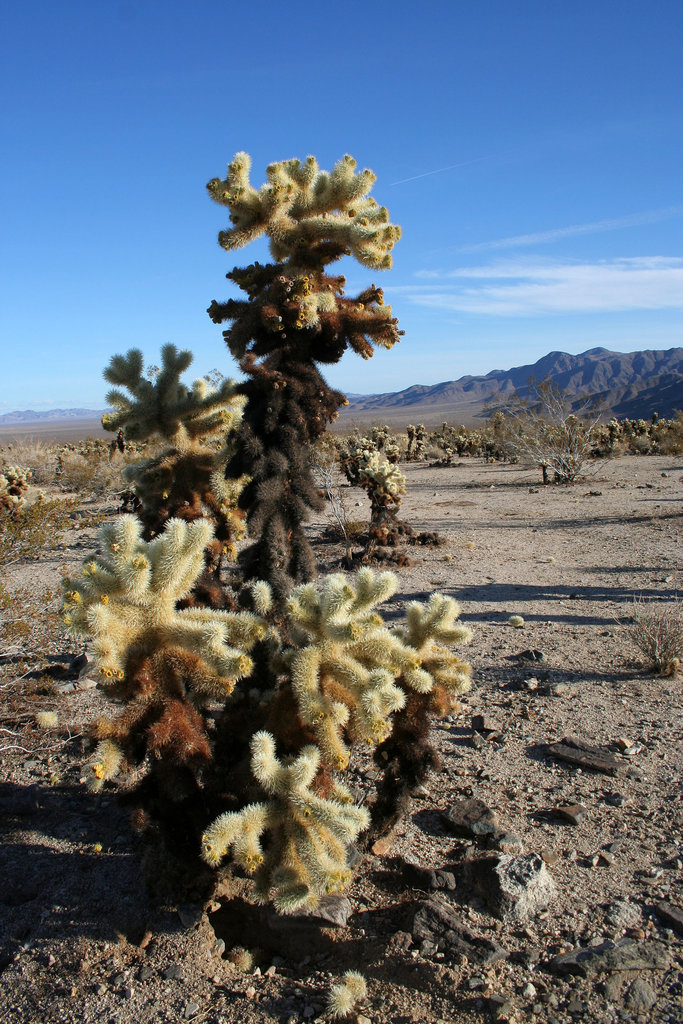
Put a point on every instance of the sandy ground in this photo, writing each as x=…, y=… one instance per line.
x=80, y=941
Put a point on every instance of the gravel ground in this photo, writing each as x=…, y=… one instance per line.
x=81, y=941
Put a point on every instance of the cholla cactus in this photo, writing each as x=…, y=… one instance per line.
x=187, y=479
x=294, y=317
x=385, y=486
x=345, y=997
x=416, y=442
x=164, y=663
x=13, y=483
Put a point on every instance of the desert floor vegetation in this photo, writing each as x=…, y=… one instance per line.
x=82, y=938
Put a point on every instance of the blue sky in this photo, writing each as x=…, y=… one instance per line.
x=531, y=152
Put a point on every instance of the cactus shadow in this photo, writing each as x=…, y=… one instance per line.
x=55, y=881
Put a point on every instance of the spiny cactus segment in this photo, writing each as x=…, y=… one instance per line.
x=164, y=663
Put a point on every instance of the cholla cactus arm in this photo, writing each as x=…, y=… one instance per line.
x=166, y=407
x=162, y=661
x=306, y=855
x=301, y=206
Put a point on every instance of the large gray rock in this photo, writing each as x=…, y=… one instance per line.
x=624, y=955
x=515, y=888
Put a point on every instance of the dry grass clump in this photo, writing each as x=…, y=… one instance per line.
x=657, y=632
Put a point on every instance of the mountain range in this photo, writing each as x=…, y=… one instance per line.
x=625, y=384
x=633, y=384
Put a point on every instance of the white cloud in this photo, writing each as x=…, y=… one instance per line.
x=538, y=288
x=630, y=221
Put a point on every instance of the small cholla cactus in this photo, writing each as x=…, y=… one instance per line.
x=416, y=442
x=345, y=997
x=187, y=479
x=13, y=483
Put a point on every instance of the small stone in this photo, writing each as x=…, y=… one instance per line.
x=671, y=916
x=605, y=857
x=145, y=974
x=559, y=689
x=510, y=843
x=515, y=888
x=190, y=1010
x=334, y=909
x=471, y=818
x=529, y=991
x=482, y=723
x=271, y=971
x=173, y=972
x=623, y=743
x=616, y=799
x=550, y=857
x=477, y=740
x=190, y=915
x=640, y=997
x=127, y=992
x=622, y=914
x=250, y=992
x=530, y=655
x=531, y=683
x=573, y=813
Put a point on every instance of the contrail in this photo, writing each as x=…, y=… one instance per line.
x=440, y=170
x=631, y=220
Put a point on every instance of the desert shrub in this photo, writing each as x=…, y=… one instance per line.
x=34, y=528
x=89, y=473
x=544, y=431
x=657, y=632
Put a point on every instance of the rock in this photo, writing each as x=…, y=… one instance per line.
x=510, y=843
x=190, y=915
x=145, y=974
x=671, y=916
x=622, y=914
x=81, y=665
x=529, y=991
x=482, y=723
x=332, y=909
x=172, y=972
x=623, y=743
x=472, y=819
x=573, y=813
x=640, y=997
x=550, y=857
x=574, y=750
x=624, y=955
x=436, y=921
x=477, y=740
x=530, y=655
x=515, y=888
x=606, y=857
x=616, y=799
x=418, y=876
x=559, y=689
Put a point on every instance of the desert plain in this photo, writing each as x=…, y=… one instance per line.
x=594, y=933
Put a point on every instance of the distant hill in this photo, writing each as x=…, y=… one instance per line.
x=633, y=384
x=28, y=416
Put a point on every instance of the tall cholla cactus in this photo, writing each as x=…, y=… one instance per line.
x=295, y=315
x=187, y=479
x=164, y=664
x=350, y=680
